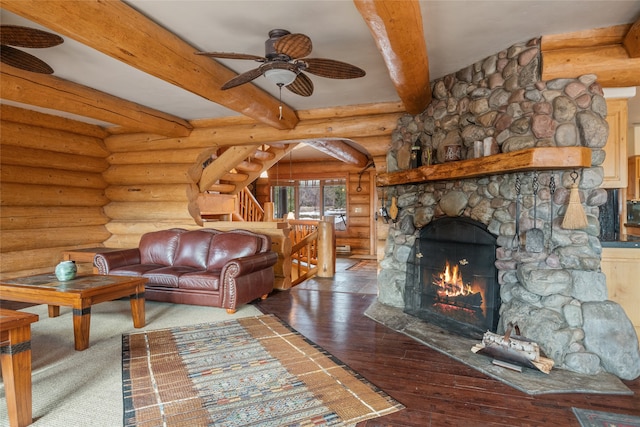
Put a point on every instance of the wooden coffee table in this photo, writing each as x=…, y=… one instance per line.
x=80, y=294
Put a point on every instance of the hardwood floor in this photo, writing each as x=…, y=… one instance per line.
x=436, y=390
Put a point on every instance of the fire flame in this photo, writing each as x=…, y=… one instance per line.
x=450, y=282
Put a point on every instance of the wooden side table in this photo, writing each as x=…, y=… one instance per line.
x=15, y=359
x=85, y=255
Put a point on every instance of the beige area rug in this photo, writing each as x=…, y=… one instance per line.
x=84, y=388
x=254, y=371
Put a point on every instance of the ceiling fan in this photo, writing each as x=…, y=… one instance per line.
x=284, y=62
x=14, y=35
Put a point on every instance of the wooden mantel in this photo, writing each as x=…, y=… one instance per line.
x=543, y=158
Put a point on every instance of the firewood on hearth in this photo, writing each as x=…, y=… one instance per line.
x=513, y=349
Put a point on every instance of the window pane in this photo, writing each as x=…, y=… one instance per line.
x=309, y=200
x=335, y=201
x=313, y=199
x=283, y=200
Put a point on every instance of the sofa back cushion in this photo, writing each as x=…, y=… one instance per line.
x=159, y=247
x=193, y=248
x=227, y=246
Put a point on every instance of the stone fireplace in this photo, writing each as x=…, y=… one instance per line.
x=452, y=280
x=556, y=293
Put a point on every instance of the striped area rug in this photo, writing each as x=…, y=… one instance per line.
x=254, y=371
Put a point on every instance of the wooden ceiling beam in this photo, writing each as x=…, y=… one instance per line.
x=631, y=40
x=339, y=150
x=598, y=51
x=36, y=118
x=51, y=92
x=252, y=134
x=118, y=30
x=397, y=29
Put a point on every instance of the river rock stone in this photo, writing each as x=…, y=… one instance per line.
x=583, y=362
x=589, y=285
x=544, y=282
x=594, y=130
x=453, y=203
x=609, y=333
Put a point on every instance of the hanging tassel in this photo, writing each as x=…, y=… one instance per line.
x=574, y=217
x=393, y=210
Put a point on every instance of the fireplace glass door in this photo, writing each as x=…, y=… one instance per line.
x=452, y=277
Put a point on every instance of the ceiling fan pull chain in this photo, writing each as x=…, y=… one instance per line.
x=280, y=99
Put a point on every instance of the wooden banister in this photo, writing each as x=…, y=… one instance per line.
x=249, y=208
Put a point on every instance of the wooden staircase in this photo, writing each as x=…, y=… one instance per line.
x=219, y=178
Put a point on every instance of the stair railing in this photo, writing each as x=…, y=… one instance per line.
x=248, y=206
x=304, y=249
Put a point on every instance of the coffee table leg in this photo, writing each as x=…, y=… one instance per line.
x=15, y=359
x=81, y=325
x=54, y=310
x=137, y=309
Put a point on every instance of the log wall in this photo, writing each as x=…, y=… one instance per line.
x=52, y=192
x=68, y=184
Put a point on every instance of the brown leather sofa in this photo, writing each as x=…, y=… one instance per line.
x=201, y=267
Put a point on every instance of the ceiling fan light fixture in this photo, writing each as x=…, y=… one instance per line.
x=280, y=76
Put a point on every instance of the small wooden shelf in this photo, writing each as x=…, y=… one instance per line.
x=542, y=158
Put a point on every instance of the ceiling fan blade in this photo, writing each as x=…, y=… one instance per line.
x=232, y=55
x=332, y=69
x=242, y=78
x=302, y=85
x=294, y=45
x=24, y=61
x=16, y=35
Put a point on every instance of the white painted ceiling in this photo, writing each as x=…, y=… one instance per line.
x=457, y=33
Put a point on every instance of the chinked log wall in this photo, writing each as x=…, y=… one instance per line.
x=67, y=184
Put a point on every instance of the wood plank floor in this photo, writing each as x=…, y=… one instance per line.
x=436, y=390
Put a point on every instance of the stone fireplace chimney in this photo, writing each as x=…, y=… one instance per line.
x=555, y=293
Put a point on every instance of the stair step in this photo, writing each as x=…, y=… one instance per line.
x=249, y=166
x=263, y=155
x=222, y=188
x=234, y=177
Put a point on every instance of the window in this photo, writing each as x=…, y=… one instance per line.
x=312, y=199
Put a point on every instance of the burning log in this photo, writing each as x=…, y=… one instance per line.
x=471, y=301
x=513, y=349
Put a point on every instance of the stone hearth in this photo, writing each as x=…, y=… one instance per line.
x=556, y=294
x=459, y=348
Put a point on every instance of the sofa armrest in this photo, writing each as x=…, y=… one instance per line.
x=107, y=261
x=245, y=265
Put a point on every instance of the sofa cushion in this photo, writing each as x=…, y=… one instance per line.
x=227, y=246
x=202, y=280
x=167, y=276
x=134, y=269
x=159, y=247
x=192, y=249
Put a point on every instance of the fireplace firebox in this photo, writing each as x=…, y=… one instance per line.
x=452, y=280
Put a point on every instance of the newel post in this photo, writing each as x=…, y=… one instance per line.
x=268, y=212
x=326, y=247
